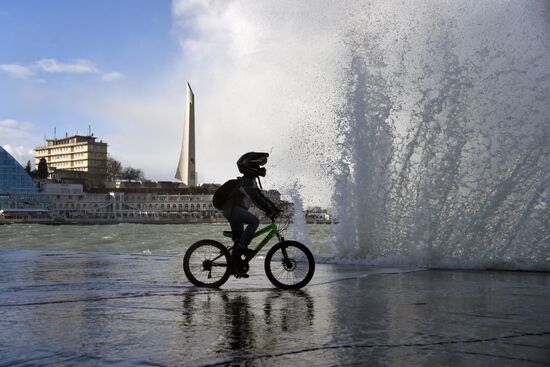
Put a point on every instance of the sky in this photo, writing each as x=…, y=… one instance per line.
x=61, y=60
x=267, y=76
x=120, y=68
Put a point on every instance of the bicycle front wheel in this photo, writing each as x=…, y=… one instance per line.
x=289, y=265
x=206, y=264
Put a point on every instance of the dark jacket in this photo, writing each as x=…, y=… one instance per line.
x=249, y=194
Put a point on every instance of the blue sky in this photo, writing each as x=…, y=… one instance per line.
x=54, y=46
x=122, y=66
x=112, y=34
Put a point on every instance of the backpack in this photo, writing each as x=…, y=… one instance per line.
x=225, y=193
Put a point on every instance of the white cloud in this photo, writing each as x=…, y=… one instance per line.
x=17, y=71
x=265, y=76
x=79, y=66
x=111, y=76
x=19, y=138
x=145, y=125
x=11, y=128
x=273, y=73
x=21, y=154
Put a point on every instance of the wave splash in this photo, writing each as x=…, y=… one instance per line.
x=444, y=138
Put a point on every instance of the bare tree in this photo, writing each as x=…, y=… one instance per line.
x=132, y=174
x=114, y=169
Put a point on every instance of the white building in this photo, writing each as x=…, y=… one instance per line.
x=77, y=155
x=70, y=203
x=74, y=153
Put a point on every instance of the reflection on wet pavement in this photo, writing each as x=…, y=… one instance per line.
x=95, y=309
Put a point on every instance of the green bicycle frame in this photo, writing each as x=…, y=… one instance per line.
x=271, y=230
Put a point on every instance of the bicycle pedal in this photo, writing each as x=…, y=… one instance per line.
x=247, y=252
x=241, y=275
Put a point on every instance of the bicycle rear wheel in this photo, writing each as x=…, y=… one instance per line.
x=289, y=265
x=206, y=264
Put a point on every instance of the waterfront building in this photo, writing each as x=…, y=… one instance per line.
x=318, y=215
x=131, y=202
x=75, y=155
x=69, y=203
x=186, y=171
x=20, y=199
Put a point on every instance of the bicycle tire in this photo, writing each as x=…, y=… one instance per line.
x=295, y=274
x=199, y=271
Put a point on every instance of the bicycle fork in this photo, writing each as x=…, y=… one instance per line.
x=286, y=259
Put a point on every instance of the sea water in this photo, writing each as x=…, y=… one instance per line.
x=126, y=238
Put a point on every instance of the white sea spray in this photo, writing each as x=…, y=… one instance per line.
x=443, y=138
x=299, y=227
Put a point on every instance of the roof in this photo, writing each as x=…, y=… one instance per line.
x=80, y=137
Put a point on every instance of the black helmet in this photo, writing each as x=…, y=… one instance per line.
x=250, y=163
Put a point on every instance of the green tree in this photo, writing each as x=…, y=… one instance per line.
x=42, y=168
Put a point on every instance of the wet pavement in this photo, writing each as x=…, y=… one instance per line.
x=91, y=309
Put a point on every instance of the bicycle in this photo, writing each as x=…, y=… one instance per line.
x=288, y=264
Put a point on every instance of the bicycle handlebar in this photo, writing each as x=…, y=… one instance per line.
x=275, y=214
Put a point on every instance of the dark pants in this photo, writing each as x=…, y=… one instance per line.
x=237, y=218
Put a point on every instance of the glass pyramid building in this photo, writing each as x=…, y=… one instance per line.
x=17, y=189
x=13, y=177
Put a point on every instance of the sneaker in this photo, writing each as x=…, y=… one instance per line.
x=241, y=275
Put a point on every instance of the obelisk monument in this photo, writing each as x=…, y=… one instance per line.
x=186, y=167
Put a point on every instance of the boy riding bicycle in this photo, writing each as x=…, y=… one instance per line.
x=242, y=196
x=208, y=263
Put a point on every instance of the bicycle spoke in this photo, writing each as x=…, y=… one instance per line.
x=293, y=273
x=207, y=264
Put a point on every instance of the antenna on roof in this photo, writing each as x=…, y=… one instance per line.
x=89, y=130
x=54, y=132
